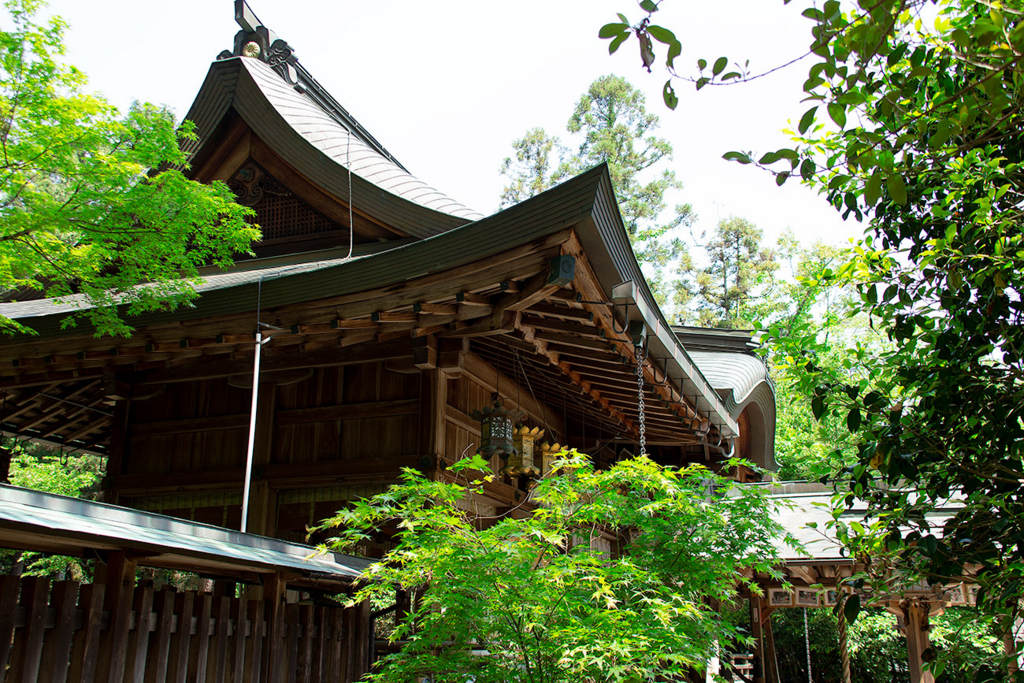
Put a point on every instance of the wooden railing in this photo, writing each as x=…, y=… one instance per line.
x=66, y=632
x=742, y=667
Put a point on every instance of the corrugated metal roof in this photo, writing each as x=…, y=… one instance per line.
x=740, y=378
x=74, y=521
x=611, y=254
x=733, y=375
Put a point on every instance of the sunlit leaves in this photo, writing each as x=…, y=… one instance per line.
x=897, y=188
x=80, y=213
x=538, y=596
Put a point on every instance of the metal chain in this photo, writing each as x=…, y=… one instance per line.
x=807, y=643
x=640, y=398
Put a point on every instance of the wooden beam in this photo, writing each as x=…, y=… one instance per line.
x=610, y=358
x=354, y=324
x=587, y=284
x=563, y=312
x=334, y=208
x=534, y=291
x=539, y=323
x=578, y=342
x=573, y=376
x=348, y=411
x=189, y=425
x=230, y=153
x=471, y=299
x=31, y=369
x=399, y=348
x=503, y=323
x=424, y=352
x=395, y=317
x=436, y=309
x=565, y=295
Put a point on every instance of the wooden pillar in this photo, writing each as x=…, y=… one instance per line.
x=771, y=660
x=262, y=518
x=844, y=648
x=275, y=653
x=915, y=614
x=757, y=633
x=118, y=451
x=433, y=400
x=118, y=577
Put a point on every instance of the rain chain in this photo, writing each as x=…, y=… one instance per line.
x=640, y=357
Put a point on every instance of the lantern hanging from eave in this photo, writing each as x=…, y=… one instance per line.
x=548, y=454
x=523, y=442
x=496, y=429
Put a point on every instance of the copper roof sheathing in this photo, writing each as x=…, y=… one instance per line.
x=74, y=523
x=346, y=149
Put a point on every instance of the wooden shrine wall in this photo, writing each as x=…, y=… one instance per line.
x=336, y=434
x=325, y=436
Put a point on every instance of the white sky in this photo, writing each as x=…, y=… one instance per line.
x=447, y=86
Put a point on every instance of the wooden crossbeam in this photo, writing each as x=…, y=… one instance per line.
x=563, y=312
x=567, y=370
x=539, y=323
x=587, y=284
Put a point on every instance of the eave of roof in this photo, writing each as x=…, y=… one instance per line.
x=37, y=518
x=279, y=284
x=586, y=203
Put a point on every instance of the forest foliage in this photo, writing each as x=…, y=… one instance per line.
x=911, y=123
x=94, y=207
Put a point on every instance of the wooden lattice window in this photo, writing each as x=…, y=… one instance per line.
x=280, y=214
x=288, y=217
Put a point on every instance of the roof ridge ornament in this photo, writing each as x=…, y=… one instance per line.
x=256, y=41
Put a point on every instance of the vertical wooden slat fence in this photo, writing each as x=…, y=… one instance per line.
x=69, y=633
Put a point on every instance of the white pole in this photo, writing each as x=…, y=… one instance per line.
x=252, y=430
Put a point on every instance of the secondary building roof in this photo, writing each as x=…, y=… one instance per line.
x=34, y=520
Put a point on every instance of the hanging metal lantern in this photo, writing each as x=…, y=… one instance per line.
x=523, y=442
x=496, y=430
x=548, y=453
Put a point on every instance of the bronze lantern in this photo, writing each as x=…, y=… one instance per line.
x=523, y=461
x=547, y=455
x=496, y=429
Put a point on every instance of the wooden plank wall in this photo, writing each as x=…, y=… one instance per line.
x=344, y=413
x=332, y=421
x=61, y=633
x=325, y=436
x=337, y=413
x=464, y=395
x=192, y=426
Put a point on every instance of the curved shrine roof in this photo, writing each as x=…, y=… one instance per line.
x=346, y=149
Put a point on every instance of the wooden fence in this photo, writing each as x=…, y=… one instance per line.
x=68, y=632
